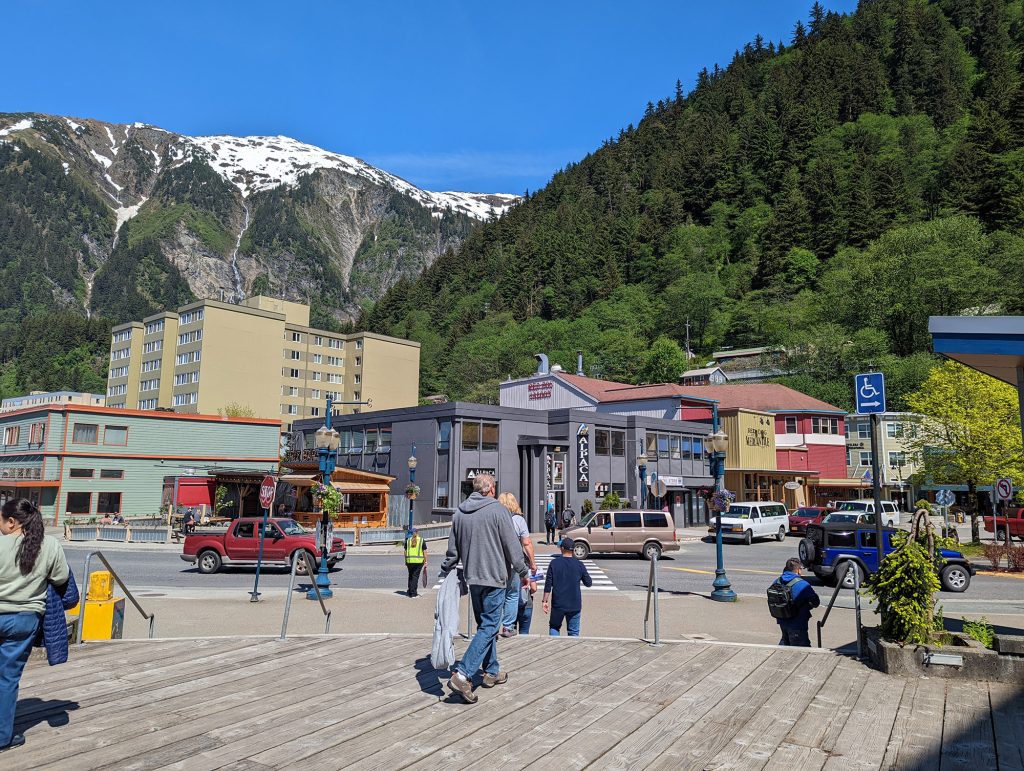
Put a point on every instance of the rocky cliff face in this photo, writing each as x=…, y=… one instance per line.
x=150, y=218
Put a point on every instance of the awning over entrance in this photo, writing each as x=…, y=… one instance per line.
x=990, y=344
x=360, y=487
x=843, y=482
x=300, y=480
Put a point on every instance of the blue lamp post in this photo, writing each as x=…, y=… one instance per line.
x=327, y=442
x=722, y=591
x=641, y=465
x=412, y=482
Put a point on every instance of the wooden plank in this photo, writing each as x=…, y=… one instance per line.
x=967, y=738
x=699, y=743
x=480, y=725
x=752, y=743
x=864, y=739
x=651, y=739
x=149, y=731
x=824, y=718
x=916, y=739
x=1007, y=703
x=794, y=757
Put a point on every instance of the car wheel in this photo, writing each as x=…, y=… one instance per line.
x=955, y=578
x=782, y=534
x=301, y=568
x=580, y=551
x=846, y=576
x=209, y=561
x=652, y=552
x=805, y=550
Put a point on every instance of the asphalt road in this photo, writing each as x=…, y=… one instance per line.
x=690, y=570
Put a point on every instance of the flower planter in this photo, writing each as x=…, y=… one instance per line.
x=966, y=659
x=149, y=534
x=81, y=532
x=112, y=533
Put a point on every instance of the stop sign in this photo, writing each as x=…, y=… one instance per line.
x=267, y=490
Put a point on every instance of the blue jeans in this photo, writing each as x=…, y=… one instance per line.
x=572, y=622
x=482, y=653
x=511, y=608
x=525, y=616
x=17, y=631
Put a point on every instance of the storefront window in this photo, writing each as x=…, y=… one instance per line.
x=371, y=441
x=346, y=441
x=442, y=495
x=444, y=435
x=470, y=436
x=687, y=450
x=618, y=443
x=601, y=442
x=385, y=439
x=357, y=440
x=108, y=503
x=489, y=433
x=662, y=445
x=79, y=503
x=698, y=448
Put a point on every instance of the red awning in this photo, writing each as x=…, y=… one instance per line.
x=195, y=491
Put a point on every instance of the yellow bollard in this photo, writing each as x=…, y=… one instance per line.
x=104, y=613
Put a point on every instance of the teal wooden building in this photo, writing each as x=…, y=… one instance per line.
x=82, y=461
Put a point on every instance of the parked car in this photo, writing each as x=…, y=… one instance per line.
x=240, y=545
x=645, y=533
x=890, y=511
x=1012, y=518
x=804, y=516
x=758, y=519
x=829, y=548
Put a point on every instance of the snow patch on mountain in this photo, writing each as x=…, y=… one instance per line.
x=21, y=125
x=260, y=163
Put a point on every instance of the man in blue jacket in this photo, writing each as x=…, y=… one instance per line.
x=794, y=630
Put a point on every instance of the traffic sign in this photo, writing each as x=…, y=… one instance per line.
x=945, y=497
x=1004, y=489
x=659, y=488
x=268, y=489
x=869, y=391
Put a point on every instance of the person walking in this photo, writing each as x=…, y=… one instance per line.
x=513, y=592
x=30, y=560
x=550, y=523
x=415, y=560
x=790, y=599
x=483, y=539
x=562, y=596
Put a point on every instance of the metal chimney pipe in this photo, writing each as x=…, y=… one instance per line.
x=542, y=363
x=579, y=363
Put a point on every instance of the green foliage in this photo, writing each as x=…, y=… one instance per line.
x=611, y=501
x=221, y=500
x=236, y=410
x=159, y=222
x=588, y=506
x=903, y=589
x=982, y=631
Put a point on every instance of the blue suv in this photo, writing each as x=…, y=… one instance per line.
x=828, y=549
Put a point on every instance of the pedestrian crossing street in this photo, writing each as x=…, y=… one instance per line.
x=601, y=581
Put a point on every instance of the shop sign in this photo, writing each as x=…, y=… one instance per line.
x=601, y=489
x=582, y=458
x=471, y=473
x=542, y=390
x=558, y=474
x=673, y=481
x=757, y=437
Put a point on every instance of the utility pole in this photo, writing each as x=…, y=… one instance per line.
x=688, y=353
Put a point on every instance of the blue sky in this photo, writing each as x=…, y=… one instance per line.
x=450, y=95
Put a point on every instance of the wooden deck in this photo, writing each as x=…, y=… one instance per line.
x=375, y=702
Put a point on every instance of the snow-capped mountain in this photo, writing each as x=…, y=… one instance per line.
x=224, y=216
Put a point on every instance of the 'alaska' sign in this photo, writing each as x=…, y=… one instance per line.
x=583, y=459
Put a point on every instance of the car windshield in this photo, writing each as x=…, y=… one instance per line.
x=833, y=518
x=806, y=513
x=588, y=518
x=852, y=506
x=738, y=512
x=290, y=527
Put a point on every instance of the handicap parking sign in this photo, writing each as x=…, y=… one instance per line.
x=869, y=391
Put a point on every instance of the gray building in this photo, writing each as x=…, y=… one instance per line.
x=563, y=456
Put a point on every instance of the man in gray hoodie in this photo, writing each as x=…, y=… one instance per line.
x=484, y=540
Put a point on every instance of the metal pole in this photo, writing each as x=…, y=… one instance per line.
x=722, y=591
x=856, y=609
x=876, y=487
x=657, y=617
x=412, y=481
x=288, y=601
x=254, y=595
x=327, y=460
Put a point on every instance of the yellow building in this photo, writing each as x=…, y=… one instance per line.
x=751, y=468
x=261, y=354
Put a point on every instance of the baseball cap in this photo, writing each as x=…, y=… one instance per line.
x=567, y=543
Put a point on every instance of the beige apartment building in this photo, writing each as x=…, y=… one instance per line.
x=261, y=354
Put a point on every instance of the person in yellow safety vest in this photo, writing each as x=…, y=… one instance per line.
x=415, y=560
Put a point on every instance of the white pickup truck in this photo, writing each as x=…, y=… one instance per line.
x=866, y=508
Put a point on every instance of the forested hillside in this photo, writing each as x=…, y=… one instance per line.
x=826, y=193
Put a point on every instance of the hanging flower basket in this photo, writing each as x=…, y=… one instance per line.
x=412, y=492
x=327, y=498
x=720, y=500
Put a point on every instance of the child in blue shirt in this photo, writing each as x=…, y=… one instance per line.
x=562, y=595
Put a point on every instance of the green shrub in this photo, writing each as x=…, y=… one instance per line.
x=611, y=501
x=981, y=631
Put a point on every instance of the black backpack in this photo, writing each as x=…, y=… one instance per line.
x=780, y=599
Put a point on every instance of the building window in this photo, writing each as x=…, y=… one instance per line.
x=111, y=473
x=489, y=435
x=335, y=361
x=355, y=396
x=385, y=439
x=81, y=473
x=359, y=345
x=79, y=503
x=294, y=355
x=442, y=495
x=153, y=346
x=337, y=344
x=601, y=442
x=824, y=425
x=335, y=378
x=358, y=379
x=897, y=459
x=318, y=358
x=152, y=385
x=290, y=390
x=470, y=436
x=662, y=445
x=117, y=390
x=150, y=366
x=318, y=340
x=316, y=376
x=314, y=393
x=11, y=435
x=849, y=458
x=294, y=373
x=108, y=503
x=296, y=337
x=846, y=429
x=120, y=353
x=154, y=326
x=865, y=459
x=371, y=440
x=184, y=378
x=864, y=430
x=618, y=443
x=187, y=358
x=894, y=430
x=190, y=316
x=314, y=412
x=85, y=433
x=116, y=435
x=444, y=437
x=651, y=446
x=359, y=361
x=123, y=371
x=147, y=404
x=37, y=434
x=122, y=337
x=181, y=400
x=791, y=427
x=674, y=451
x=190, y=337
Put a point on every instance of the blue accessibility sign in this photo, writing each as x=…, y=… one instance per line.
x=869, y=391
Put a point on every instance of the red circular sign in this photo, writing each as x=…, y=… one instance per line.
x=267, y=491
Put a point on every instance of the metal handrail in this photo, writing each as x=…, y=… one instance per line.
x=151, y=617
x=856, y=604
x=652, y=588
x=311, y=572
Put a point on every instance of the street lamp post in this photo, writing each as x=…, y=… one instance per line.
x=722, y=591
x=897, y=466
x=327, y=442
x=412, y=483
x=641, y=464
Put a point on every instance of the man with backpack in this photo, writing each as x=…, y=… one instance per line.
x=790, y=599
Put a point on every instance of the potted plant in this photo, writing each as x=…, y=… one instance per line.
x=718, y=500
x=412, y=492
x=327, y=498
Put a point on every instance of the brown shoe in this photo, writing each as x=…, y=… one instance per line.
x=492, y=680
x=460, y=685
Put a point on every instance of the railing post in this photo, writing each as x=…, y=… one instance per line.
x=856, y=607
x=657, y=615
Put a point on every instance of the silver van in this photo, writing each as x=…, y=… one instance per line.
x=645, y=533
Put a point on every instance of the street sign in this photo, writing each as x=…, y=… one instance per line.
x=869, y=391
x=268, y=488
x=945, y=497
x=659, y=488
x=1004, y=489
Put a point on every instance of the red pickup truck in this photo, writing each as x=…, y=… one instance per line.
x=1014, y=517
x=240, y=545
